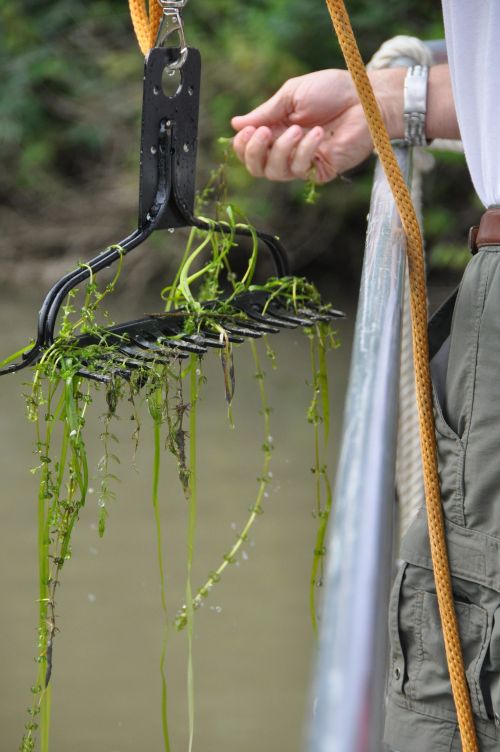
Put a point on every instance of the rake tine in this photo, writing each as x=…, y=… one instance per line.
x=233, y=336
x=143, y=354
x=262, y=326
x=205, y=340
x=100, y=377
x=103, y=377
x=267, y=318
x=326, y=315
x=242, y=330
x=164, y=344
x=293, y=318
x=117, y=362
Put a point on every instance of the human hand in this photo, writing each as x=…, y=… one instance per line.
x=315, y=121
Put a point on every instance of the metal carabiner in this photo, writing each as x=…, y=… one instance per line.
x=171, y=23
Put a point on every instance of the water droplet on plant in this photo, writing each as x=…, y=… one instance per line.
x=244, y=556
x=198, y=371
x=101, y=503
x=91, y=598
x=270, y=474
x=270, y=439
x=73, y=432
x=266, y=495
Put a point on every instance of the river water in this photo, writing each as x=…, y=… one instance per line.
x=253, y=643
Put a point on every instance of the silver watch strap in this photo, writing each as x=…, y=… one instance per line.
x=415, y=104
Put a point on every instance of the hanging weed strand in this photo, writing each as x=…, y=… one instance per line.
x=321, y=339
x=181, y=620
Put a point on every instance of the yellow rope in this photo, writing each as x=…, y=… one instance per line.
x=418, y=298
x=145, y=24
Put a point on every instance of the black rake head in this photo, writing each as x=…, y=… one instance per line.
x=162, y=338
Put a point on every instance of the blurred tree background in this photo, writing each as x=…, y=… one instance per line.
x=70, y=94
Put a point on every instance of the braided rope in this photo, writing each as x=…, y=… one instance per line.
x=418, y=296
x=145, y=24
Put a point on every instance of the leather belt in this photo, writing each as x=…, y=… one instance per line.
x=487, y=232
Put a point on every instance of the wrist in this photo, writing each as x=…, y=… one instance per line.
x=441, y=116
x=388, y=85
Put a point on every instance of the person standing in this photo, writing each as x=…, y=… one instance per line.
x=317, y=121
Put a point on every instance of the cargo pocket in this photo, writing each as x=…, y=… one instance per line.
x=490, y=678
x=426, y=682
x=397, y=663
x=432, y=683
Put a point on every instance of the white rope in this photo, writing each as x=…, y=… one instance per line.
x=401, y=46
x=404, y=50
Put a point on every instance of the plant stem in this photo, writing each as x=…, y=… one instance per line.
x=192, y=512
x=181, y=619
x=157, y=421
x=323, y=507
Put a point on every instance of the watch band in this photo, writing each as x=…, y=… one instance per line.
x=415, y=104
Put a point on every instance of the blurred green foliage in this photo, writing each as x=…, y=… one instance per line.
x=70, y=92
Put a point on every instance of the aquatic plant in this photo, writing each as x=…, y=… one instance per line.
x=61, y=396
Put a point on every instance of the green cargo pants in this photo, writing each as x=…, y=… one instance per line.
x=466, y=375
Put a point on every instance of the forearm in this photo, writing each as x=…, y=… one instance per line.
x=441, y=119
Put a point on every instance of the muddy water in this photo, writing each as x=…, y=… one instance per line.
x=253, y=644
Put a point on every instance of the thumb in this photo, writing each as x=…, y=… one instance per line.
x=271, y=112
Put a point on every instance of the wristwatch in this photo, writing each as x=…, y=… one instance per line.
x=415, y=104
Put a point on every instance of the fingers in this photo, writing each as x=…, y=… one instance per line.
x=241, y=140
x=251, y=146
x=275, y=110
x=276, y=156
x=305, y=153
x=277, y=166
